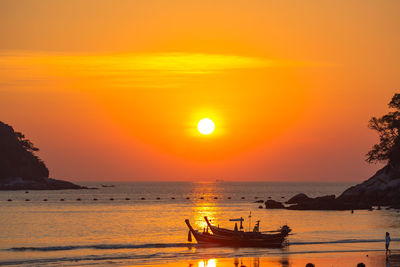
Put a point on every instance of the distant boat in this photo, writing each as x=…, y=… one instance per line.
x=236, y=238
x=104, y=185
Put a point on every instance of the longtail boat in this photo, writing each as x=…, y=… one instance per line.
x=236, y=240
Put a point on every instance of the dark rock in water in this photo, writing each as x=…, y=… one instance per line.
x=272, y=204
x=42, y=184
x=299, y=198
x=21, y=168
x=259, y=201
x=328, y=202
x=381, y=189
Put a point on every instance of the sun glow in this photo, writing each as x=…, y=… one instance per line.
x=206, y=126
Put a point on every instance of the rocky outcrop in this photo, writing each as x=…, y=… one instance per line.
x=37, y=184
x=381, y=189
x=272, y=204
x=328, y=202
x=20, y=168
x=299, y=198
x=17, y=158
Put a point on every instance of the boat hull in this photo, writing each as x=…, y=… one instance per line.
x=256, y=235
x=207, y=239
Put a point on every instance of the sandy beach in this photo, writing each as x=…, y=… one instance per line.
x=376, y=259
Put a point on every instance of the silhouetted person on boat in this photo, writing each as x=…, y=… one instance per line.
x=387, y=243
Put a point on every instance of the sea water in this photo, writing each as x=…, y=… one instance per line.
x=143, y=223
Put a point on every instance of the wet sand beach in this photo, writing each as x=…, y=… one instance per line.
x=376, y=259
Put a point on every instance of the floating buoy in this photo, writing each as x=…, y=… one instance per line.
x=9, y=199
x=255, y=197
x=27, y=199
x=78, y=199
x=142, y=198
x=62, y=199
x=282, y=197
x=269, y=197
x=172, y=198
x=127, y=198
x=158, y=198
x=45, y=199
x=215, y=197
x=229, y=197
x=202, y=198
x=111, y=198
x=243, y=197
x=188, y=198
x=26, y=192
x=94, y=199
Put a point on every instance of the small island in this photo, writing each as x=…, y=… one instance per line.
x=21, y=168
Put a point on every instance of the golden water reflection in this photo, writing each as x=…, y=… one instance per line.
x=205, y=204
x=242, y=262
x=208, y=263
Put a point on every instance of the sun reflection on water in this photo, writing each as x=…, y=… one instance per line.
x=208, y=263
x=203, y=204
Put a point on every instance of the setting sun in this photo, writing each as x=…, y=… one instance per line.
x=206, y=126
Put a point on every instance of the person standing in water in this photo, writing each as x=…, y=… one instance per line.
x=387, y=243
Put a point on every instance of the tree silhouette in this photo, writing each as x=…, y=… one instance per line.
x=25, y=142
x=388, y=127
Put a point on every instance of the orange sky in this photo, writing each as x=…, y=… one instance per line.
x=113, y=90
